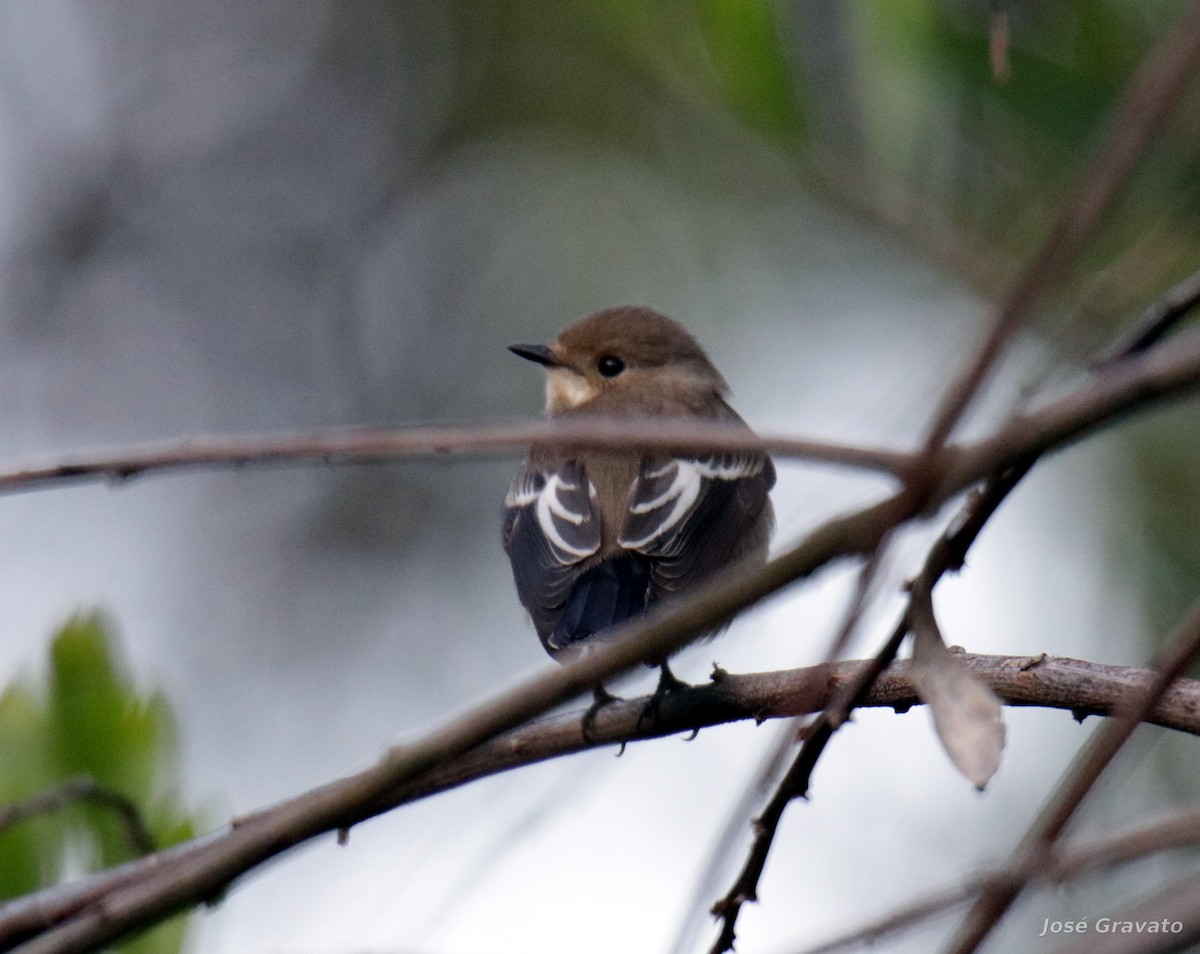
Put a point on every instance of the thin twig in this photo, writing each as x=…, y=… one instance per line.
x=1104, y=398
x=794, y=784
x=84, y=788
x=1181, y=648
x=755, y=791
x=1155, y=322
x=1179, y=829
x=1173, y=909
x=356, y=446
x=770, y=765
x=1048, y=427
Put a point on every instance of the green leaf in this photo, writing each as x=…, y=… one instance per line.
x=91, y=720
x=30, y=852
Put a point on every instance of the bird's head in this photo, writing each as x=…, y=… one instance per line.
x=629, y=349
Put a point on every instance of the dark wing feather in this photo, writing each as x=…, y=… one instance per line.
x=552, y=526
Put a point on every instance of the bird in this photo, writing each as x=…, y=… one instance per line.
x=597, y=537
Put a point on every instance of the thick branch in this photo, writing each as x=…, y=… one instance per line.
x=1045, y=681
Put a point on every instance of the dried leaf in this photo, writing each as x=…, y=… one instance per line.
x=967, y=715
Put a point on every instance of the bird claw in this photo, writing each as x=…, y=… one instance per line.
x=601, y=697
x=668, y=682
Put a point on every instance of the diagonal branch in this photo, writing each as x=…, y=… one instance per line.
x=1156, y=322
x=1181, y=649
x=947, y=554
x=1179, y=829
x=1052, y=682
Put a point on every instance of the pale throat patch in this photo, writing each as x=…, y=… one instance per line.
x=566, y=389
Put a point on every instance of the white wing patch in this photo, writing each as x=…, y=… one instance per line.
x=729, y=468
x=559, y=504
x=525, y=488
x=661, y=499
x=679, y=494
x=563, y=504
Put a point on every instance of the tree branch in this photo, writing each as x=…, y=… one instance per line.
x=1156, y=321
x=1046, y=681
x=1179, y=829
x=1137, y=383
x=947, y=554
x=356, y=446
x=1179, y=651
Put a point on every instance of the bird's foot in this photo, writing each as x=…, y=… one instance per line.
x=601, y=697
x=668, y=682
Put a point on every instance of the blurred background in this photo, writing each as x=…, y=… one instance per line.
x=232, y=218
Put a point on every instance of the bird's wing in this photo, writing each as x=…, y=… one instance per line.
x=552, y=524
x=693, y=515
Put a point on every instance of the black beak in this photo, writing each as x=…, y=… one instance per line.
x=539, y=354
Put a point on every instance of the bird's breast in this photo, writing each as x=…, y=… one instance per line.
x=612, y=474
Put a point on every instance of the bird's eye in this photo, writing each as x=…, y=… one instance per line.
x=610, y=367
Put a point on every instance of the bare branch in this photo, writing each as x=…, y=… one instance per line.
x=947, y=554
x=1180, y=649
x=1144, y=105
x=1053, y=425
x=1156, y=322
x=794, y=784
x=358, y=446
x=1061, y=683
x=1179, y=829
x=1168, y=369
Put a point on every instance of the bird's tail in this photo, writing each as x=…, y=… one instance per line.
x=604, y=596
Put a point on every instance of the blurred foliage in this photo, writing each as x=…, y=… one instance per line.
x=890, y=106
x=996, y=156
x=88, y=720
x=1161, y=555
x=608, y=66
x=1164, y=494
